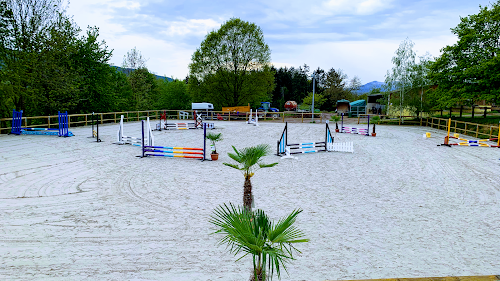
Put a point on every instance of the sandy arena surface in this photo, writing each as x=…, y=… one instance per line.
x=399, y=206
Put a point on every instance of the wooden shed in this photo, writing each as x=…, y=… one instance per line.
x=343, y=106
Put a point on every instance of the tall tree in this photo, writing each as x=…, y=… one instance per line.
x=173, y=95
x=134, y=59
x=467, y=71
x=399, y=78
x=231, y=66
x=291, y=84
x=336, y=87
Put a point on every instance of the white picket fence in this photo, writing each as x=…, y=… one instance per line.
x=341, y=147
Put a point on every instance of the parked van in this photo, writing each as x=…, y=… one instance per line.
x=205, y=106
x=204, y=109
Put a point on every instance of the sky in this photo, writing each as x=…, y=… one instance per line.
x=357, y=36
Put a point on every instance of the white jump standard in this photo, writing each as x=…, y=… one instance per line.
x=254, y=121
x=122, y=139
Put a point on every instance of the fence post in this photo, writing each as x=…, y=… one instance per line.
x=86, y=119
x=321, y=118
x=102, y=118
x=485, y=111
x=48, y=121
x=114, y=118
x=302, y=117
x=473, y=110
x=138, y=116
x=283, y=117
x=477, y=130
x=461, y=109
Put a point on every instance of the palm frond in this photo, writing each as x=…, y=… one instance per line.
x=246, y=232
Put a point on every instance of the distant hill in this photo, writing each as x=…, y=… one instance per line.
x=128, y=70
x=366, y=88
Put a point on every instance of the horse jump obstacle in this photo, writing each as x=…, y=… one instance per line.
x=122, y=139
x=172, y=151
x=198, y=124
x=255, y=120
x=359, y=131
x=466, y=142
x=62, y=131
x=285, y=148
x=95, y=133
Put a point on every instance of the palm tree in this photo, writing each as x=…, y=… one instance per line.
x=247, y=232
x=249, y=157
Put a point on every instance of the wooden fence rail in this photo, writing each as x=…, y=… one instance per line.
x=114, y=117
x=461, y=127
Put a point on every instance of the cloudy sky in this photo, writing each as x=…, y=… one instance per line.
x=357, y=36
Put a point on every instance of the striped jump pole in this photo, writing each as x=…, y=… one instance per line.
x=284, y=148
x=352, y=130
x=466, y=142
x=174, y=151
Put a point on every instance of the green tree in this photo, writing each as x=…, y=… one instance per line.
x=319, y=100
x=336, y=87
x=253, y=233
x=26, y=30
x=144, y=88
x=173, y=95
x=231, y=66
x=467, y=71
x=249, y=160
x=95, y=85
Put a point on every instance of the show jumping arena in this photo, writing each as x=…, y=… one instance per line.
x=398, y=207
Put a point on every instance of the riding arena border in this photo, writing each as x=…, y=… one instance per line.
x=172, y=151
x=466, y=142
x=62, y=131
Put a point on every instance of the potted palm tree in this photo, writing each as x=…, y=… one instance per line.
x=336, y=119
x=213, y=138
x=375, y=120
x=246, y=232
x=249, y=161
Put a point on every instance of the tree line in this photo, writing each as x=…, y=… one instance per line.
x=465, y=73
x=49, y=64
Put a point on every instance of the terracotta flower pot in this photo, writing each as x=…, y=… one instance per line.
x=374, y=134
x=215, y=156
x=337, y=130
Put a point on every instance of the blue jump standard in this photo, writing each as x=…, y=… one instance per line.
x=63, y=121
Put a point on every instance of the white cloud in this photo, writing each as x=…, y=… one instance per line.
x=164, y=58
x=369, y=60
x=196, y=27
x=354, y=7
